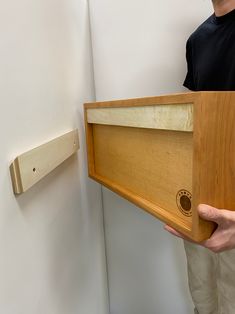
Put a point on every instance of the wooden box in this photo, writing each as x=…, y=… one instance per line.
x=166, y=154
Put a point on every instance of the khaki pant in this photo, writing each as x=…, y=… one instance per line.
x=211, y=280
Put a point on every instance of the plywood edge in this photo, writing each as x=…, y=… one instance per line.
x=30, y=167
x=15, y=177
x=175, y=117
x=148, y=206
x=89, y=145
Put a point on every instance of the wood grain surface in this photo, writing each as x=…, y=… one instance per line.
x=214, y=155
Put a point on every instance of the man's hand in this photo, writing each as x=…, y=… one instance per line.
x=223, y=237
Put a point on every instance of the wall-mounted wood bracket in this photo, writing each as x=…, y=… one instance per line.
x=30, y=167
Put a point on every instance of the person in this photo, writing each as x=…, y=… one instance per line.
x=210, y=55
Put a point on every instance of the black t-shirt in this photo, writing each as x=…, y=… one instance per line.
x=210, y=54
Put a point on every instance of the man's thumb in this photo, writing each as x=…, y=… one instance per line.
x=209, y=213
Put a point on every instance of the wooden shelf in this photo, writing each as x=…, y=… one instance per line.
x=166, y=154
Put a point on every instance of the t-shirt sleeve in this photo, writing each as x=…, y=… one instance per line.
x=189, y=79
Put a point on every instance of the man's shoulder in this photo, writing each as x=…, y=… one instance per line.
x=203, y=29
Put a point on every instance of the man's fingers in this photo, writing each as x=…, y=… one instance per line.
x=177, y=233
x=210, y=213
x=174, y=232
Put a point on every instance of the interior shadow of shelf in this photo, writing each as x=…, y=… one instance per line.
x=30, y=167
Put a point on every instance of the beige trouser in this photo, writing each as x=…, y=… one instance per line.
x=211, y=280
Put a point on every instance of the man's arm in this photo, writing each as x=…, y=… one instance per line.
x=223, y=237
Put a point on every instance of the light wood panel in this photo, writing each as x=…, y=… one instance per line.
x=164, y=117
x=30, y=167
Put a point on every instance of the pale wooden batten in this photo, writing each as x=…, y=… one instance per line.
x=30, y=167
x=175, y=117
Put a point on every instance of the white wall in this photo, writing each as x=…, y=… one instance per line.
x=139, y=50
x=51, y=238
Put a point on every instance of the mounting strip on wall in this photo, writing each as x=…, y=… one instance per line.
x=30, y=167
